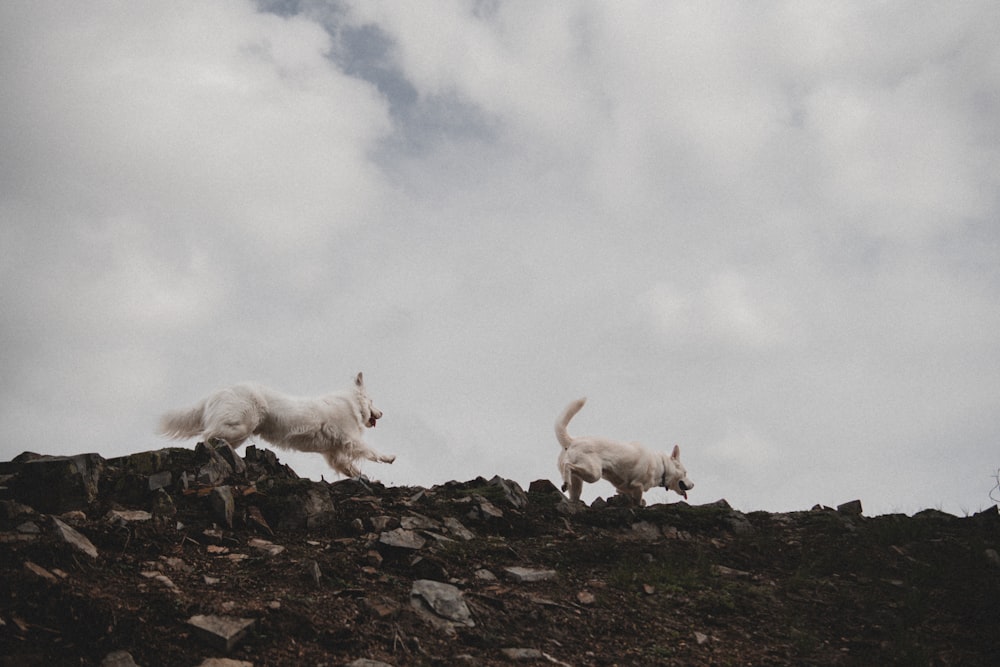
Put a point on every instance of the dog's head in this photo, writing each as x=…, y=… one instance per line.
x=369, y=413
x=675, y=476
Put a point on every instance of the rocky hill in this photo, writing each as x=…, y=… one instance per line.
x=201, y=557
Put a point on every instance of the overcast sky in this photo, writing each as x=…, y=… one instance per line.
x=767, y=232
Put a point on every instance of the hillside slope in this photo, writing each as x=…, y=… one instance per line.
x=128, y=560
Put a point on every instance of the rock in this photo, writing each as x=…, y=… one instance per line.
x=701, y=638
x=544, y=487
x=414, y=521
x=991, y=513
x=266, y=548
x=485, y=509
x=585, y=598
x=522, y=654
x=215, y=470
x=312, y=568
x=524, y=575
x=162, y=579
x=513, y=494
x=127, y=516
x=29, y=528
x=10, y=509
x=221, y=632
x=223, y=505
x=40, y=572
x=57, y=484
x=382, y=523
x=365, y=662
x=852, y=508
x=118, y=659
x=224, y=662
x=163, y=504
x=729, y=573
x=160, y=480
x=256, y=520
x=402, y=539
x=237, y=465
x=380, y=608
x=297, y=503
x=74, y=538
x=644, y=530
x=444, y=600
x=455, y=527
x=992, y=557
x=739, y=524
x=483, y=574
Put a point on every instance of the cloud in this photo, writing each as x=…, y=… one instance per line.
x=763, y=232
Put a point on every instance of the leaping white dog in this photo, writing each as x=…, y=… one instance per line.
x=632, y=468
x=331, y=425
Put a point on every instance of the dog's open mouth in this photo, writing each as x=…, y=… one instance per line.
x=371, y=421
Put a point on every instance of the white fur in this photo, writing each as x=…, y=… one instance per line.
x=332, y=425
x=632, y=468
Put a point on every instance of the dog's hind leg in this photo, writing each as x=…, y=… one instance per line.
x=342, y=465
x=575, y=488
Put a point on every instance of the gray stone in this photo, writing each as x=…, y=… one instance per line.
x=160, y=480
x=524, y=575
x=383, y=522
x=118, y=659
x=402, y=539
x=644, y=530
x=514, y=495
x=444, y=600
x=74, y=538
x=29, y=528
x=221, y=632
x=365, y=662
x=414, y=521
x=456, y=528
x=127, y=516
x=485, y=509
x=992, y=557
x=266, y=548
x=522, y=654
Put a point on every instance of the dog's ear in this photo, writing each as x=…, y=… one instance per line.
x=676, y=454
x=360, y=380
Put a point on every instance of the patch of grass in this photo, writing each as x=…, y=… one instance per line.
x=676, y=572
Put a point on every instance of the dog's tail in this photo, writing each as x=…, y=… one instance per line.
x=562, y=435
x=180, y=424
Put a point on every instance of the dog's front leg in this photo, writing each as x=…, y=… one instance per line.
x=374, y=456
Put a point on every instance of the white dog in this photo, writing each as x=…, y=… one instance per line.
x=632, y=468
x=332, y=425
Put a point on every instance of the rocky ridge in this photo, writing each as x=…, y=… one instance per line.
x=203, y=557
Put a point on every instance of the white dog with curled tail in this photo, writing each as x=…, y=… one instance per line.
x=632, y=468
x=332, y=425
